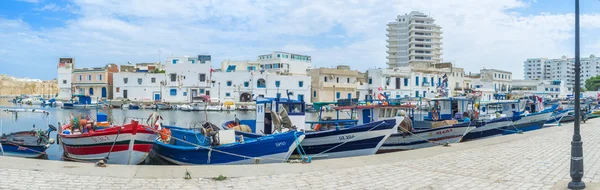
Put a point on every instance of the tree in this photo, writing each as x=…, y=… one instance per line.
x=593, y=83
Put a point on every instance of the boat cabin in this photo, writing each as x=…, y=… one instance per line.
x=447, y=108
x=264, y=122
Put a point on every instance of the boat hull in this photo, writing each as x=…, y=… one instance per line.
x=488, y=129
x=359, y=141
x=530, y=122
x=267, y=149
x=127, y=147
x=423, y=139
x=23, y=151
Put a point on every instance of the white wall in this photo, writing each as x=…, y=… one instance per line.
x=187, y=70
x=237, y=87
x=135, y=91
x=64, y=82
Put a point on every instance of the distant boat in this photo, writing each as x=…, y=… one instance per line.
x=80, y=102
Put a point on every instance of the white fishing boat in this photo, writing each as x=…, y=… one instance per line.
x=214, y=105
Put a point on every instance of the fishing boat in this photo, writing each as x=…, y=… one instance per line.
x=214, y=105
x=526, y=115
x=27, y=144
x=228, y=105
x=163, y=106
x=345, y=138
x=441, y=126
x=190, y=146
x=127, y=144
x=80, y=101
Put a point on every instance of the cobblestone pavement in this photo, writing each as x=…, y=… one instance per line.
x=533, y=162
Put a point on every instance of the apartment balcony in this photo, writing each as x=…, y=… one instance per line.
x=422, y=54
x=393, y=46
x=396, y=56
x=392, y=34
x=413, y=24
x=421, y=48
x=392, y=40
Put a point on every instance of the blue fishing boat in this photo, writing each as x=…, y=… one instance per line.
x=525, y=115
x=189, y=146
x=80, y=101
x=27, y=144
x=335, y=139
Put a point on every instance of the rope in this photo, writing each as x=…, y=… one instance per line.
x=300, y=149
x=114, y=142
x=349, y=140
x=411, y=133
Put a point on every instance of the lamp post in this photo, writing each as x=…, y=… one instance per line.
x=219, y=92
x=576, y=145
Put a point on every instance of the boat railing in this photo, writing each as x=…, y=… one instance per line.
x=336, y=122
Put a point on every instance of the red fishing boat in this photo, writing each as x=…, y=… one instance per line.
x=127, y=144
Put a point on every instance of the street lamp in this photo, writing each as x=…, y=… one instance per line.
x=219, y=92
x=576, y=144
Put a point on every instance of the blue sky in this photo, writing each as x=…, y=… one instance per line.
x=477, y=34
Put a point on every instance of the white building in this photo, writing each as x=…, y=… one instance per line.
x=187, y=78
x=64, y=79
x=237, y=66
x=556, y=89
x=410, y=81
x=138, y=86
x=561, y=69
x=283, y=62
x=413, y=39
x=501, y=80
x=243, y=85
x=485, y=88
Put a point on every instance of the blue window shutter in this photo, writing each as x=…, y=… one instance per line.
x=277, y=83
x=227, y=94
x=201, y=91
x=417, y=81
x=416, y=93
x=301, y=83
x=246, y=84
x=184, y=93
x=228, y=83
x=314, y=93
x=432, y=83
x=370, y=81
x=173, y=92
x=405, y=81
x=337, y=94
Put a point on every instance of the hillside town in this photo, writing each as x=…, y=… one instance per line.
x=415, y=68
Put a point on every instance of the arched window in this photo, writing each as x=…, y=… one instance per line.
x=261, y=83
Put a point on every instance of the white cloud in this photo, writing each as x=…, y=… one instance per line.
x=49, y=7
x=477, y=33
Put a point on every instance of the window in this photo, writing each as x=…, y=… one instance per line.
x=184, y=93
x=140, y=81
x=337, y=95
x=417, y=81
x=153, y=80
x=80, y=78
x=89, y=77
x=64, y=81
x=405, y=81
x=261, y=83
x=227, y=94
x=416, y=93
x=301, y=84
x=277, y=83
x=201, y=91
x=432, y=83
x=173, y=77
x=100, y=77
x=193, y=61
x=228, y=83
x=246, y=84
x=278, y=95
x=337, y=79
x=387, y=81
x=173, y=92
x=125, y=80
x=202, y=77
x=370, y=81
x=326, y=79
x=348, y=80
x=118, y=89
x=546, y=89
x=175, y=61
x=315, y=94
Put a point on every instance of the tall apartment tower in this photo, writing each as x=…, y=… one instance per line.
x=413, y=39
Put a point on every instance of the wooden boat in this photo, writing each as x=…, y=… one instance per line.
x=346, y=140
x=127, y=144
x=187, y=146
x=80, y=102
x=27, y=144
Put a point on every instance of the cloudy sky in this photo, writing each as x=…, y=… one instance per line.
x=477, y=34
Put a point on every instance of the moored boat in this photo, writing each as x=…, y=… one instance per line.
x=26, y=144
x=188, y=146
x=127, y=144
